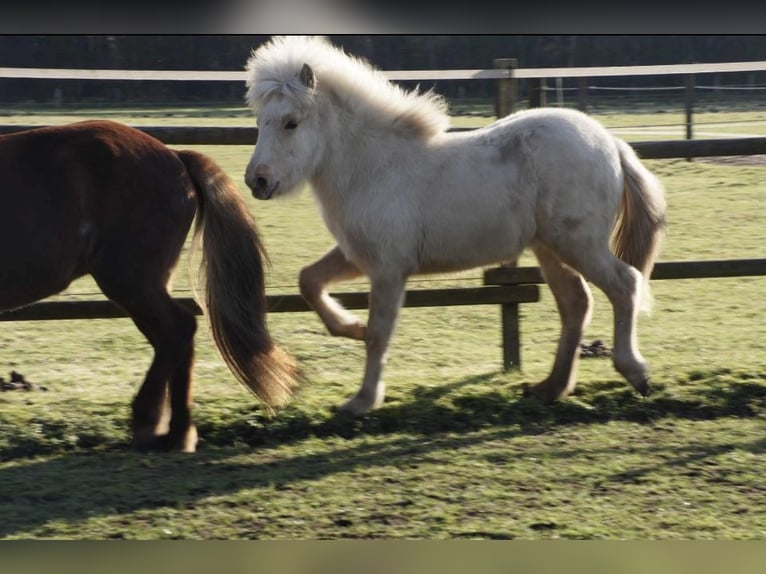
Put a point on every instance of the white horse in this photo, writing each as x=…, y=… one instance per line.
x=402, y=196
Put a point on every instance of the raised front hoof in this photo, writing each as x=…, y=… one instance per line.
x=357, y=331
x=169, y=442
x=353, y=329
x=545, y=391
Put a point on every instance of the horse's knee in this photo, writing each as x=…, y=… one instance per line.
x=308, y=285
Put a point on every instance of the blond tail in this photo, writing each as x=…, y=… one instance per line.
x=640, y=226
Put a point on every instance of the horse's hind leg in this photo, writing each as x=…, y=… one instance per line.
x=623, y=285
x=182, y=433
x=313, y=281
x=574, y=302
x=170, y=330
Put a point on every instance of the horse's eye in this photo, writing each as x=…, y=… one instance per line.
x=291, y=124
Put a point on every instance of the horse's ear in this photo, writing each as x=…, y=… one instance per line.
x=307, y=77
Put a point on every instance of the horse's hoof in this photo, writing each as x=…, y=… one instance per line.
x=168, y=442
x=526, y=391
x=156, y=443
x=642, y=387
x=359, y=406
x=542, y=392
x=185, y=441
x=358, y=331
x=353, y=408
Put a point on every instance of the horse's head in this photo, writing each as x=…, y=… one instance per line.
x=318, y=106
x=287, y=150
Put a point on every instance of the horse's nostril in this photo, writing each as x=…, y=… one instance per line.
x=261, y=183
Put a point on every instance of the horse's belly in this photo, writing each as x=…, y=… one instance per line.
x=22, y=287
x=33, y=268
x=461, y=250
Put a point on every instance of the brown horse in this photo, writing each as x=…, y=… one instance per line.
x=101, y=198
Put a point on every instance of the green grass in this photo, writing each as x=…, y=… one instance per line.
x=456, y=451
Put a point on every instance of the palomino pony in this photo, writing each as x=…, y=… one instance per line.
x=101, y=198
x=402, y=196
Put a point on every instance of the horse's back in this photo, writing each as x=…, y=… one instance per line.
x=554, y=135
x=574, y=159
x=543, y=148
x=73, y=194
x=534, y=175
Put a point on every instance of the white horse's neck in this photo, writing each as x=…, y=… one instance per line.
x=351, y=158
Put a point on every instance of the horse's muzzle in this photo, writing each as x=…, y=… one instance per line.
x=259, y=183
x=262, y=188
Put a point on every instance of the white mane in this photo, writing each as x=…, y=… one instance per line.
x=275, y=66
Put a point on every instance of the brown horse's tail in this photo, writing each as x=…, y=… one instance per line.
x=640, y=226
x=231, y=271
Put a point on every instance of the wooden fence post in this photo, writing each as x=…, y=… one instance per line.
x=537, y=97
x=689, y=106
x=582, y=94
x=511, y=336
x=505, y=99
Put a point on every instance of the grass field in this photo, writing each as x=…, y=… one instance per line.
x=456, y=451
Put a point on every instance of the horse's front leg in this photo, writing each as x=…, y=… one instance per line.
x=386, y=297
x=313, y=281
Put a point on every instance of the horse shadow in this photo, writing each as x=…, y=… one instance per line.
x=75, y=486
x=443, y=408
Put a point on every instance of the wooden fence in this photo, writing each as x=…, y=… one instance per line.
x=505, y=72
x=507, y=287
x=647, y=150
x=522, y=276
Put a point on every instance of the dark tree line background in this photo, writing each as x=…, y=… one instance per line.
x=389, y=52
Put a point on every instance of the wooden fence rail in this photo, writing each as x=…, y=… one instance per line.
x=290, y=303
x=175, y=135
x=454, y=74
x=506, y=73
x=502, y=295
x=520, y=276
x=507, y=287
x=708, y=269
